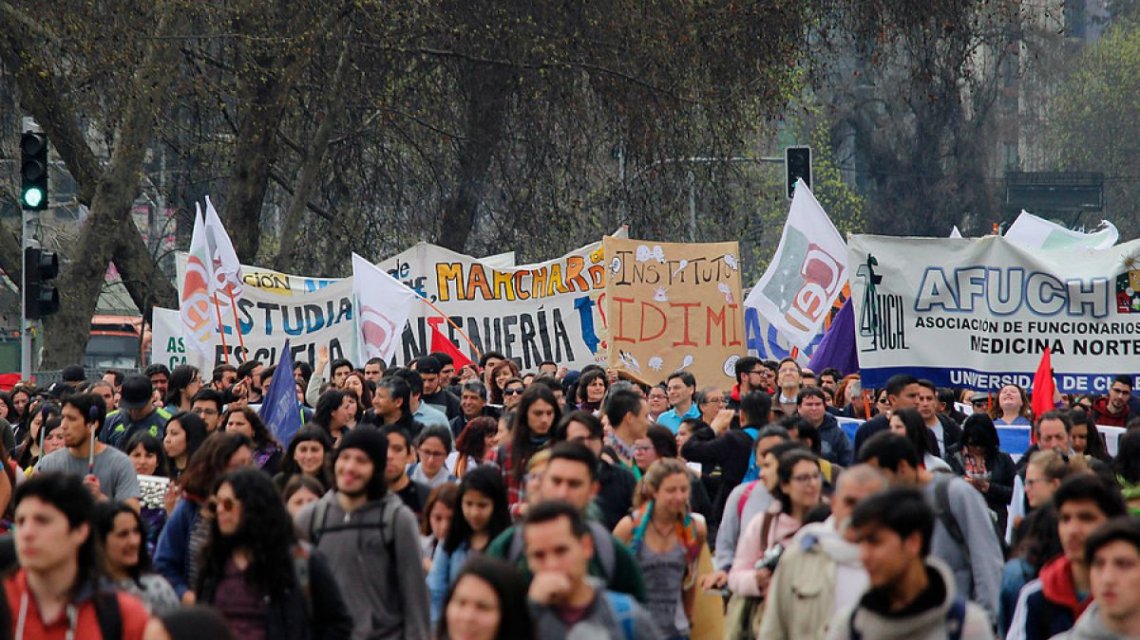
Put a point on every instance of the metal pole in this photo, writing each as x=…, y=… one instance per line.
x=25, y=335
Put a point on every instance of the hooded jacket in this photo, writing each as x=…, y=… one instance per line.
x=816, y=567
x=385, y=590
x=1090, y=626
x=923, y=619
x=1050, y=603
x=835, y=446
x=1101, y=416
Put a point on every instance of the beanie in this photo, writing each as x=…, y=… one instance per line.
x=374, y=444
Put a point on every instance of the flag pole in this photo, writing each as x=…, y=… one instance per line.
x=443, y=315
x=237, y=324
x=221, y=329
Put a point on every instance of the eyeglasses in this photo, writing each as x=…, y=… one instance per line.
x=432, y=454
x=714, y=400
x=642, y=448
x=513, y=391
x=204, y=412
x=805, y=478
x=221, y=504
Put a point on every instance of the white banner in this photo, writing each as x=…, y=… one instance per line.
x=545, y=311
x=275, y=306
x=979, y=313
x=384, y=306
x=167, y=346
x=805, y=276
x=1033, y=232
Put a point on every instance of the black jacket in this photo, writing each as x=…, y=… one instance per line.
x=1002, y=471
x=869, y=428
x=615, y=493
x=322, y=615
x=731, y=450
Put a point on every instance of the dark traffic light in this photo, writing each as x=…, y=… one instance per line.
x=33, y=171
x=797, y=164
x=40, y=296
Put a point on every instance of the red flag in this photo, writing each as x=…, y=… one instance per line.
x=1043, y=389
x=440, y=343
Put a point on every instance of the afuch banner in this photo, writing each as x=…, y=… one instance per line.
x=979, y=313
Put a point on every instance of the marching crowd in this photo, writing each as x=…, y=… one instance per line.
x=483, y=501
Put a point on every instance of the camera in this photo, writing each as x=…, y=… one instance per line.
x=770, y=559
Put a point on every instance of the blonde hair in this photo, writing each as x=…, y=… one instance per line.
x=653, y=477
x=1054, y=467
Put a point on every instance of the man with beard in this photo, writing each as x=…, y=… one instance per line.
x=371, y=542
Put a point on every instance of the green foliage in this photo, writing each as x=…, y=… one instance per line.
x=1094, y=126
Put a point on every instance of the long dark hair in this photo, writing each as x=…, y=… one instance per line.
x=329, y=402
x=308, y=433
x=265, y=532
x=916, y=432
x=152, y=445
x=487, y=480
x=1095, y=446
x=510, y=588
x=522, y=439
x=979, y=431
x=180, y=378
x=105, y=514
x=195, y=429
x=788, y=462
x=210, y=462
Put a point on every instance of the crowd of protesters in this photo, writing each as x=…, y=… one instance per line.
x=485, y=501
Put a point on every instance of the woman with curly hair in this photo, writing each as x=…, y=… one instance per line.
x=256, y=574
x=121, y=533
x=336, y=413
x=503, y=371
x=267, y=452
x=592, y=388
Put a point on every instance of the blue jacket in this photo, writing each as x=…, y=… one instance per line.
x=836, y=448
x=445, y=568
x=172, y=556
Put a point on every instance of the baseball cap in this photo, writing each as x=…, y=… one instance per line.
x=136, y=392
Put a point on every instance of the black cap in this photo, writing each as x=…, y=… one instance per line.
x=58, y=389
x=136, y=392
x=73, y=373
x=428, y=364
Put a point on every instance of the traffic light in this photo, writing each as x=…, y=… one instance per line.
x=40, y=296
x=33, y=171
x=797, y=164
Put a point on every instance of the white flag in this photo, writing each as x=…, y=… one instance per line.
x=199, y=314
x=383, y=305
x=806, y=275
x=1038, y=233
x=223, y=259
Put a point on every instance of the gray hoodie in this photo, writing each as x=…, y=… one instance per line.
x=927, y=624
x=1089, y=626
x=387, y=596
x=983, y=570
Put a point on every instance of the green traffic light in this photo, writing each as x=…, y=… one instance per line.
x=33, y=197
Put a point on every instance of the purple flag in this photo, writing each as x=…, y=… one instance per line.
x=838, y=346
x=280, y=410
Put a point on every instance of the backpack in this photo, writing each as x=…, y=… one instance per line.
x=622, y=606
x=753, y=471
x=748, y=489
x=955, y=620
x=391, y=506
x=605, y=553
x=108, y=615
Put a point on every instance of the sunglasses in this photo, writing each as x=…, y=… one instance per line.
x=513, y=392
x=221, y=504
